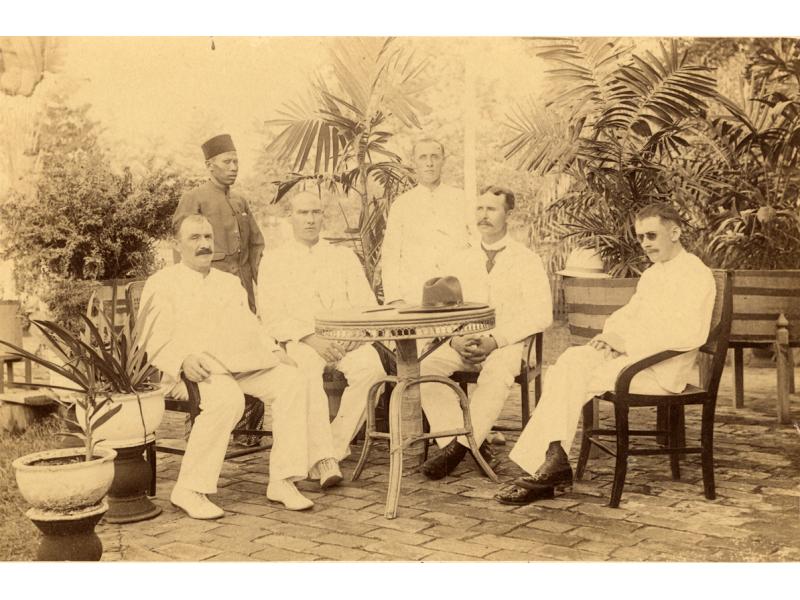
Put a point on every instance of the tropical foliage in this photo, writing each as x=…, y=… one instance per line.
x=338, y=137
x=98, y=365
x=84, y=221
x=750, y=154
x=619, y=125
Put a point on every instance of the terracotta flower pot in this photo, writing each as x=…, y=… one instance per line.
x=59, y=480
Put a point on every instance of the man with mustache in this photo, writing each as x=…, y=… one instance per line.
x=671, y=310
x=203, y=329
x=426, y=226
x=237, y=238
x=511, y=278
x=306, y=276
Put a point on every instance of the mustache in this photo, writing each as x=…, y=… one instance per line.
x=484, y=222
x=203, y=251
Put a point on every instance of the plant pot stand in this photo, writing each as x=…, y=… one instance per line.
x=127, y=498
x=69, y=536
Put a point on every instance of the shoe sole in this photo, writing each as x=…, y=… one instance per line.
x=198, y=518
x=330, y=482
x=289, y=508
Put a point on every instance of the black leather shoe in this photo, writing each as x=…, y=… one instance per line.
x=561, y=480
x=445, y=462
x=519, y=494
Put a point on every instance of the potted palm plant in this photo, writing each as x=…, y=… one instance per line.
x=110, y=384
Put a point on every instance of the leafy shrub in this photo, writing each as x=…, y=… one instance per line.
x=85, y=222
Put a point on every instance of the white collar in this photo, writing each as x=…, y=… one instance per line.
x=498, y=245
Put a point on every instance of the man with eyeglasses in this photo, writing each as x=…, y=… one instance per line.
x=671, y=310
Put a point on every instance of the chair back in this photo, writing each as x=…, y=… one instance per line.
x=133, y=297
x=716, y=346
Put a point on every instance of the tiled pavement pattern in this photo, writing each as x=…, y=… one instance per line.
x=756, y=516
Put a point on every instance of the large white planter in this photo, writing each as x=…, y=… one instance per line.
x=70, y=487
x=130, y=427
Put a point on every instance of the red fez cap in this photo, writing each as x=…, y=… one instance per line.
x=217, y=145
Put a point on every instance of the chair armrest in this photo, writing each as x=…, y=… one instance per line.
x=623, y=383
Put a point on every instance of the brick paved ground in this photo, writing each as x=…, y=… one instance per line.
x=756, y=516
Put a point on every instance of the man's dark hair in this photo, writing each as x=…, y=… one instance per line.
x=665, y=212
x=507, y=194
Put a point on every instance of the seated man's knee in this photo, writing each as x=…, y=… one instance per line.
x=221, y=395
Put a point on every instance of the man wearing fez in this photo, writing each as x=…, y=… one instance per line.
x=671, y=310
x=237, y=239
x=203, y=329
x=511, y=278
x=306, y=276
x=426, y=226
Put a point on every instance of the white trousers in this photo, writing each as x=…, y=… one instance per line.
x=362, y=367
x=579, y=374
x=496, y=377
x=300, y=434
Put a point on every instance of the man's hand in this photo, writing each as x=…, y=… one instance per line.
x=474, y=349
x=598, y=343
x=330, y=351
x=179, y=391
x=196, y=367
x=480, y=348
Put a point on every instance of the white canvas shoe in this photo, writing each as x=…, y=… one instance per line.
x=284, y=491
x=195, y=504
x=329, y=472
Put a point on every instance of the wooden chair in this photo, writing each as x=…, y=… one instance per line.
x=530, y=370
x=715, y=348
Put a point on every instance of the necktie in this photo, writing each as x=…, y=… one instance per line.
x=491, y=254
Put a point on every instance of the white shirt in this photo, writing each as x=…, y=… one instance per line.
x=191, y=313
x=297, y=282
x=671, y=310
x=424, y=229
x=517, y=288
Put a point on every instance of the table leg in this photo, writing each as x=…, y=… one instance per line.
x=410, y=408
x=395, y=448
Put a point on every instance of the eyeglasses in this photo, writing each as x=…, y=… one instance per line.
x=650, y=235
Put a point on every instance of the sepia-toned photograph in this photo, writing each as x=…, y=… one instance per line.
x=422, y=299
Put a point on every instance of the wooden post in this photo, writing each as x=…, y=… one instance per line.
x=783, y=364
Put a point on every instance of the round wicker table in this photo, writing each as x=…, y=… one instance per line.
x=404, y=327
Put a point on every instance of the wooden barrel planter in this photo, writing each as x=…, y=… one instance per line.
x=591, y=301
x=759, y=300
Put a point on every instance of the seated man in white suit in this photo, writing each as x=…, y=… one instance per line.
x=202, y=327
x=509, y=277
x=671, y=310
x=302, y=278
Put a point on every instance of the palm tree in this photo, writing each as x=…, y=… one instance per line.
x=337, y=137
x=618, y=125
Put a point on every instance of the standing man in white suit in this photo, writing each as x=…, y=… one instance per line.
x=511, y=278
x=671, y=310
x=426, y=226
x=302, y=278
